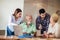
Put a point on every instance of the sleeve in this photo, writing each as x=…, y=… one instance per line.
x=57, y=31
x=11, y=21
x=34, y=28
x=20, y=20
x=49, y=29
x=48, y=21
x=37, y=24
x=22, y=25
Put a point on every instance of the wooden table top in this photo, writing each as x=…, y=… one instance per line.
x=16, y=38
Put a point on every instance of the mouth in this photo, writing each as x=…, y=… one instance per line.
x=19, y=16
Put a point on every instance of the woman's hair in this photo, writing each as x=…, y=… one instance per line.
x=17, y=11
x=55, y=17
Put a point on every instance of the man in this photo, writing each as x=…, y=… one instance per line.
x=42, y=21
x=28, y=28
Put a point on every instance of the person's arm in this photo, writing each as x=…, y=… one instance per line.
x=48, y=21
x=45, y=34
x=48, y=31
x=51, y=35
x=37, y=24
x=34, y=28
x=23, y=28
x=57, y=31
x=20, y=21
x=34, y=31
x=11, y=21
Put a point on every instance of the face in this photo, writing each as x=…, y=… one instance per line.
x=28, y=19
x=51, y=20
x=19, y=15
x=42, y=15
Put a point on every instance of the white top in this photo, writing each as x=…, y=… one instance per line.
x=53, y=29
x=13, y=22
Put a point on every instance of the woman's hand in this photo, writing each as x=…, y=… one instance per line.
x=50, y=36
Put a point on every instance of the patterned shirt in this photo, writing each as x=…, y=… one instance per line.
x=44, y=22
x=30, y=29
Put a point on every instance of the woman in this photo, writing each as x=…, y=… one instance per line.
x=53, y=26
x=15, y=20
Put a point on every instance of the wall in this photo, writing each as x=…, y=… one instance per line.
x=7, y=7
x=32, y=7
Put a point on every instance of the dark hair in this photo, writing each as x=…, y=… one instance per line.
x=17, y=11
x=41, y=11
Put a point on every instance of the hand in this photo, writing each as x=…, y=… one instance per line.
x=16, y=25
x=45, y=34
x=40, y=26
x=29, y=23
x=50, y=36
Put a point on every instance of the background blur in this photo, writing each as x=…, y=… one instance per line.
x=7, y=7
x=32, y=7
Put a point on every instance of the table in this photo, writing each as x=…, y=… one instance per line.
x=16, y=38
